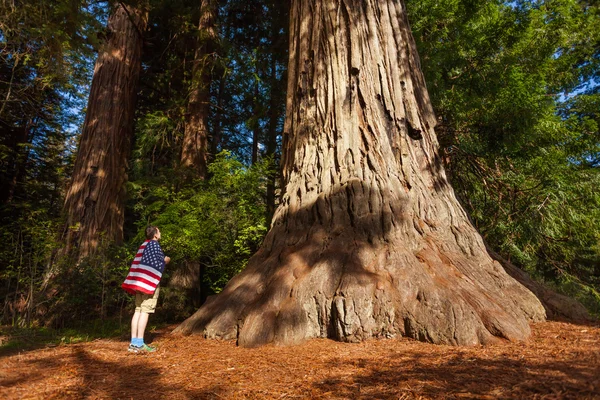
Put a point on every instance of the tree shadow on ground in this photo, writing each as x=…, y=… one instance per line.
x=417, y=373
x=98, y=378
x=15, y=346
x=15, y=340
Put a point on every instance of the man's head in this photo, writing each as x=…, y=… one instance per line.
x=152, y=233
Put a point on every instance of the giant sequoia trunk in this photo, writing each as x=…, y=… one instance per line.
x=95, y=201
x=195, y=138
x=369, y=239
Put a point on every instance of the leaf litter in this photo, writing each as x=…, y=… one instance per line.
x=560, y=361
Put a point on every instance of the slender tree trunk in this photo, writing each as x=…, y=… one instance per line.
x=95, y=201
x=369, y=239
x=195, y=138
x=217, y=131
x=256, y=114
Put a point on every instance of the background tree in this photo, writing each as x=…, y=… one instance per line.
x=195, y=139
x=95, y=200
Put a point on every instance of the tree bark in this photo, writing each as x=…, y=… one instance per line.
x=369, y=239
x=195, y=139
x=95, y=201
x=558, y=307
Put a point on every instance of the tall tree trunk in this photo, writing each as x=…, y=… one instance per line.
x=369, y=239
x=95, y=201
x=195, y=138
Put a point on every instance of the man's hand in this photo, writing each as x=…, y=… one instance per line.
x=167, y=259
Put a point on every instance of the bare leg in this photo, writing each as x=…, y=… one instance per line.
x=135, y=324
x=141, y=325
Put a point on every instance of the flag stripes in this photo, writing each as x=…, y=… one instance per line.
x=146, y=269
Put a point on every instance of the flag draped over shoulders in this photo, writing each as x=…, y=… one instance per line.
x=146, y=270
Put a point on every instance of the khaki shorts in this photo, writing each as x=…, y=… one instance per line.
x=146, y=302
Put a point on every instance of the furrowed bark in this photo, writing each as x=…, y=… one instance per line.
x=369, y=239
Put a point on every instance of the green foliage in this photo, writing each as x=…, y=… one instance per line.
x=219, y=223
x=90, y=290
x=45, y=51
x=53, y=39
x=514, y=87
x=28, y=242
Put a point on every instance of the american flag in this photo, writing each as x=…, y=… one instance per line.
x=146, y=269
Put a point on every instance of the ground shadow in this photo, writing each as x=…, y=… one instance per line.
x=417, y=373
x=107, y=379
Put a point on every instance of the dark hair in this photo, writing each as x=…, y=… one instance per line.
x=150, y=232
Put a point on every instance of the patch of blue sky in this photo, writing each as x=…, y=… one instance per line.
x=585, y=87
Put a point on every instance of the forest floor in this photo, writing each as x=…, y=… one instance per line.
x=559, y=361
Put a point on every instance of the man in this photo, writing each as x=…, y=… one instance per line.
x=142, y=281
